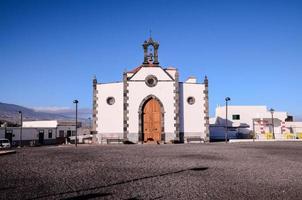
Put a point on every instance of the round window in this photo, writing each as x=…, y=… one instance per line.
x=191, y=100
x=110, y=100
x=151, y=81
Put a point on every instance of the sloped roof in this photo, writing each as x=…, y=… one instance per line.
x=135, y=69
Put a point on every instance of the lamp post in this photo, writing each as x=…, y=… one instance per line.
x=5, y=126
x=20, y=112
x=254, y=134
x=272, y=112
x=76, y=136
x=226, y=118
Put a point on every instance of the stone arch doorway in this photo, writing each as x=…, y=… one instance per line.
x=151, y=120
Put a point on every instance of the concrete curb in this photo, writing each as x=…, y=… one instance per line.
x=7, y=152
x=263, y=140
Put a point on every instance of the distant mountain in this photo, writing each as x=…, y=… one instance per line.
x=83, y=113
x=10, y=113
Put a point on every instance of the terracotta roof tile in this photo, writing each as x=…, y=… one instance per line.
x=135, y=69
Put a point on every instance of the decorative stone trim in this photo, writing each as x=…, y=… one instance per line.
x=206, y=110
x=176, y=108
x=94, y=108
x=140, y=118
x=146, y=56
x=125, y=107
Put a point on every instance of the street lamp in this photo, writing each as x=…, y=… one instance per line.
x=20, y=112
x=272, y=112
x=226, y=118
x=76, y=136
x=254, y=134
x=5, y=127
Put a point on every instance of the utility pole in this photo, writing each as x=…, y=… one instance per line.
x=76, y=124
x=21, y=128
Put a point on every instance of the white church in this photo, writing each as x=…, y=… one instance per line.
x=150, y=105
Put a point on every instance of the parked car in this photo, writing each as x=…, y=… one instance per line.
x=4, y=143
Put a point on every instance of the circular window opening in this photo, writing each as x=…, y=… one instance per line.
x=151, y=81
x=191, y=100
x=110, y=100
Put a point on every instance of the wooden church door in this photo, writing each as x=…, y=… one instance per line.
x=152, y=121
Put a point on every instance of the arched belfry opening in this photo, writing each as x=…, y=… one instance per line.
x=150, y=52
x=151, y=120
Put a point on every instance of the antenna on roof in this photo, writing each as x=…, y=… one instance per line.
x=150, y=33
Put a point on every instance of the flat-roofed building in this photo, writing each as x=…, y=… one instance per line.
x=39, y=132
x=244, y=121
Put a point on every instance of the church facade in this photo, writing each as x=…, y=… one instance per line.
x=150, y=105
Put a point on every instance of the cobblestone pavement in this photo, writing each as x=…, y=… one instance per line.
x=261, y=170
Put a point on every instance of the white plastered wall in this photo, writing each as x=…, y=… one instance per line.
x=157, y=71
x=37, y=124
x=192, y=121
x=293, y=127
x=29, y=133
x=171, y=72
x=109, y=117
x=247, y=114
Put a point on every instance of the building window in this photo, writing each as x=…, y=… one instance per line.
x=61, y=133
x=41, y=134
x=49, y=133
x=68, y=133
x=151, y=81
x=110, y=100
x=191, y=100
x=236, y=117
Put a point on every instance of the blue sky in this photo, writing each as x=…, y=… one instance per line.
x=251, y=50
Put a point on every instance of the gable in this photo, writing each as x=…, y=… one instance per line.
x=143, y=72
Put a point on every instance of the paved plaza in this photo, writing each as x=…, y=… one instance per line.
x=260, y=170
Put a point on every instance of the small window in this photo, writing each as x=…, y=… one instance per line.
x=110, y=100
x=236, y=117
x=49, y=133
x=68, y=133
x=41, y=134
x=191, y=100
x=151, y=81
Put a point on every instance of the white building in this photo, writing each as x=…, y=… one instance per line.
x=39, y=132
x=63, y=128
x=150, y=104
x=243, y=121
x=45, y=135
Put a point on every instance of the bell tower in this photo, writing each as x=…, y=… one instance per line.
x=150, y=52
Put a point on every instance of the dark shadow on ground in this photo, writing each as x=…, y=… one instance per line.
x=114, y=184
x=88, y=196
